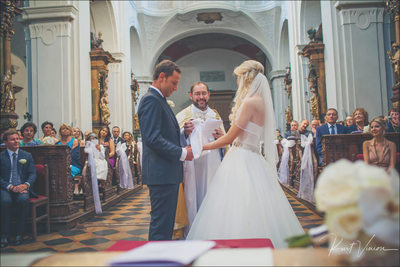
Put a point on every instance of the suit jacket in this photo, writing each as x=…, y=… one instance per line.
x=119, y=139
x=324, y=130
x=26, y=172
x=161, y=141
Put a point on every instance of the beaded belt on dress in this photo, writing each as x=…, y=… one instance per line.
x=247, y=146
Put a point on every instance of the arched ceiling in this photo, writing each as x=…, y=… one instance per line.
x=198, y=42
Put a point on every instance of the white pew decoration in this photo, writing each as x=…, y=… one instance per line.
x=125, y=173
x=90, y=149
x=306, y=189
x=283, y=172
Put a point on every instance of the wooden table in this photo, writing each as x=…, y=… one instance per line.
x=281, y=257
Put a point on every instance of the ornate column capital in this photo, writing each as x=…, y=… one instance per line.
x=361, y=13
x=48, y=32
x=54, y=13
x=276, y=74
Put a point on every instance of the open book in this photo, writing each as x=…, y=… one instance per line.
x=163, y=253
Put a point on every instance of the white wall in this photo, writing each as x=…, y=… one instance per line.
x=205, y=60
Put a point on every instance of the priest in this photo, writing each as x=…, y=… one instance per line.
x=199, y=173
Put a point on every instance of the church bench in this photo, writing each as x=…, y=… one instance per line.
x=335, y=147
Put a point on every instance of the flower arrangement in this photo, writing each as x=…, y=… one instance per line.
x=361, y=203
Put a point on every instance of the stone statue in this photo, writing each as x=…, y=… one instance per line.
x=137, y=127
x=105, y=112
x=314, y=100
x=288, y=115
x=7, y=94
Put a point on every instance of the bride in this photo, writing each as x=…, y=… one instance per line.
x=244, y=198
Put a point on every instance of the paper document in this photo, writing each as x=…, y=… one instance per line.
x=163, y=253
x=210, y=125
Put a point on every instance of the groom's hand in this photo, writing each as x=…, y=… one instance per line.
x=189, y=155
x=218, y=133
x=188, y=128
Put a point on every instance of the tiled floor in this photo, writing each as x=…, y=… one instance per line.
x=128, y=220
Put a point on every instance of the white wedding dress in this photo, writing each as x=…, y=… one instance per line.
x=244, y=199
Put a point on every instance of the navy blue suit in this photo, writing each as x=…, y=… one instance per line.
x=10, y=201
x=162, y=169
x=324, y=130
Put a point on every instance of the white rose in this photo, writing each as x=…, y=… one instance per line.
x=171, y=103
x=338, y=185
x=22, y=161
x=372, y=176
x=344, y=222
x=380, y=214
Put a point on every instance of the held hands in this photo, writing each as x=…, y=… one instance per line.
x=189, y=155
x=218, y=133
x=22, y=188
x=188, y=128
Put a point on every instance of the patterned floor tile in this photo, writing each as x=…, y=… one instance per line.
x=128, y=220
x=58, y=241
x=95, y=241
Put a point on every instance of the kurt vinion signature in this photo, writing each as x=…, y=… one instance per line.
x=338, y=247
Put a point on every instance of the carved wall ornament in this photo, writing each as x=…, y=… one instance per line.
x=209, y=17
x=362, y=17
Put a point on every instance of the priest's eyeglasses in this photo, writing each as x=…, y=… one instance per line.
x=200, y=93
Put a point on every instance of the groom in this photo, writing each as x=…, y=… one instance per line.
x=163, y=156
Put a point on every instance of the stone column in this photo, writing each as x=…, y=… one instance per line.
x=59, y=45
x=279, y=97
x=361, y=68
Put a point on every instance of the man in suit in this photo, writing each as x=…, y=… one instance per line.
x=18, y=174
x=115, y=135
x=163, y=156
x=330, y=127
x=294, y=125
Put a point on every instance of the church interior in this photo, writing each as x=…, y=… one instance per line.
x=86, y=65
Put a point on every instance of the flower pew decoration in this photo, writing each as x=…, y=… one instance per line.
x=48, y=140
x=361, y=205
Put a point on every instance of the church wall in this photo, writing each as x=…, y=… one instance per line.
x=205, y=60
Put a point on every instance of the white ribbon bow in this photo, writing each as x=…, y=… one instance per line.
x=283, y=172
x=125, y=173
x=90, y=149
x=306, y=188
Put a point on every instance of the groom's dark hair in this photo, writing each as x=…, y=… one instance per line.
x=166, y=66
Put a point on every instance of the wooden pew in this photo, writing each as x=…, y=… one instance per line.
x=63, y=210
x=335, y=147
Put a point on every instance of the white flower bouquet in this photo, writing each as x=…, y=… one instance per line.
x=361, y=203
x=48, y=140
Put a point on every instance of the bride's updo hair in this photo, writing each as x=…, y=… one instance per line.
x=245, y=73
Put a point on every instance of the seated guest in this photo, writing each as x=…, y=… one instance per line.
x=314, y=124
x=379, y=151
x=104, y=137
x=360, y=118
x=294, y=125
x=348, y=121
x=303, y=128
x=278, y=135
x=393, y=125
x=28, y=131
x=66, y=138
x=18, y=174
x=46, y=129
x=78, y=135
x=330, y=127
x=53, y=133
x=115, y=135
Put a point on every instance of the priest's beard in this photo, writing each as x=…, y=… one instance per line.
x=201, y=106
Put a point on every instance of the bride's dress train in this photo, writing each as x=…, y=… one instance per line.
x=244, y=198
